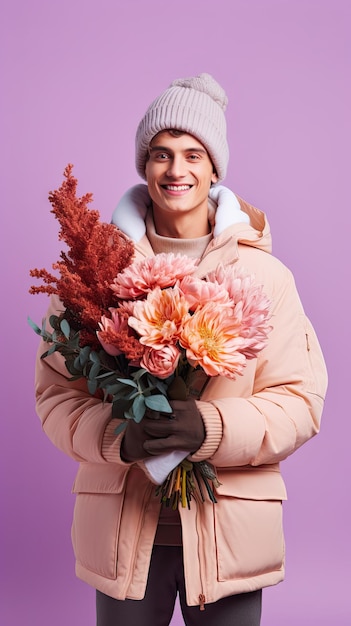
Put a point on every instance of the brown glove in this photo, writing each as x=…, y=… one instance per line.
x=158, y=434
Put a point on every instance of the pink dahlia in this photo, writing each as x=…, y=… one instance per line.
x=199, y=292
x=250, y=305
x=141, y=277
x=110, y=332
x=116, y=337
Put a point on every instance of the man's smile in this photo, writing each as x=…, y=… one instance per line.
x=176, y=188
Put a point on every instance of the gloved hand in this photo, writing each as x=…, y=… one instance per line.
x=158, y=434
x=132, y=446
x=184, y=431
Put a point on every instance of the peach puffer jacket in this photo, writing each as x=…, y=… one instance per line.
x=252, y=424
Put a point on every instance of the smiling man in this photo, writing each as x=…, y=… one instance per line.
x=217, y=557
x=244, y=427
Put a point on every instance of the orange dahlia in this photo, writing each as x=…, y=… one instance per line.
x=160, y=317
x=211, y=338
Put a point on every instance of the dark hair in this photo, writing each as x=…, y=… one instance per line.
x=175, y=132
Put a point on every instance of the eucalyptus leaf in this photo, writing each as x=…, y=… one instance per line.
x=84, y=355
x=94, y=371
x=129, y=415
x=158, y=384
x=34, y=326
x=46, y=337
x=105, y=376
x=138, y=408
x=74, y=342
x=65, y=327
x=51, y=350
x=45, y=334
x=128, y=381
x=92, y=386
x=134, y=394
x=158, y=403
x=120, y=428
x=115, y=389
x=129, y=396
x=139, y=373
x=53, y=321
x=77, y=373
x=77, y=364
x=94, y=357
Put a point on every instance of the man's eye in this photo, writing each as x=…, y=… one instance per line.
x=193, y=157
x=161, y=156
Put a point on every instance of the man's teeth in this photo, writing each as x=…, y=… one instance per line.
x=178, y=187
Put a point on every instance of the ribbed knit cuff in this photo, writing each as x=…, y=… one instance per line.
x=214, y=431
x=111, y=444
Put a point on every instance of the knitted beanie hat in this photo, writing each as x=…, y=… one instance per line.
x=194, y=105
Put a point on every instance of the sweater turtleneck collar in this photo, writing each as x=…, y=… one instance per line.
x=193, y=248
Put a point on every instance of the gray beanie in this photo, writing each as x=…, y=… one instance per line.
x=194, y=105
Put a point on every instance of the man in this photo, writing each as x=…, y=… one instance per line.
x=218, y=557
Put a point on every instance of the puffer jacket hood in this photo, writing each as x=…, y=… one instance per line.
x=229, y=215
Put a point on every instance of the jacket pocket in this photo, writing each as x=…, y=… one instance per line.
x=96, y=521
x=249, y=532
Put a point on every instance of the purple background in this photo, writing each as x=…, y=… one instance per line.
x=78, y=76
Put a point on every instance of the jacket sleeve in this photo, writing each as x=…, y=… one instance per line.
x=284, y=408
x=76, y=422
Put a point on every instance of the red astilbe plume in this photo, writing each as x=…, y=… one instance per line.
x=97, y=253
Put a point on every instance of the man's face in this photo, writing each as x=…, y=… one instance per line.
x=179, y=174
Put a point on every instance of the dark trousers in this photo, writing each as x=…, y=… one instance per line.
x=166, y=580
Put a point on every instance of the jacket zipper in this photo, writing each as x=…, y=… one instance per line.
x=202, y=597
x=308, y=343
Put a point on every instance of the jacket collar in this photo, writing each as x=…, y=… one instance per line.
x=256, y=234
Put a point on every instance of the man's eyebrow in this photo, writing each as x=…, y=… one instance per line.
x=152, y=148
x=164, y=149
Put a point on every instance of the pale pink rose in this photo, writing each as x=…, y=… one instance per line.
x=161, y=363
x=158, y=320
x=141, y=277
x=211, y=338
x=199, y=292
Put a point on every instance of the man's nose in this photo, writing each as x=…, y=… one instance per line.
x=177, y=167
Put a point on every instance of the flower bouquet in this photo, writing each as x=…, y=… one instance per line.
x=149, y=331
